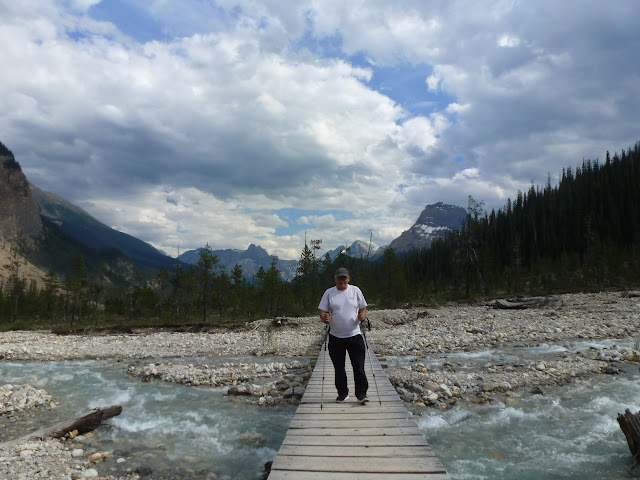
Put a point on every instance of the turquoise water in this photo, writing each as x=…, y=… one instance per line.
x=184, y=432
x=571, y=432
x=177, y=431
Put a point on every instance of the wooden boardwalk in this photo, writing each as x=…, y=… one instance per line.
x=349, y=441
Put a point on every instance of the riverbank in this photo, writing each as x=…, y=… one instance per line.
x=412, y=334
x=428, y=351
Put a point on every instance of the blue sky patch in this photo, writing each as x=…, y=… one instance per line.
x=131, y=17
x=292, y=217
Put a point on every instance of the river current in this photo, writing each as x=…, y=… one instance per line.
x=571, y=432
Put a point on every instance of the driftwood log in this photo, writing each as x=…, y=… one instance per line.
x=83, y=424
x=630, y=426
x=524, y=303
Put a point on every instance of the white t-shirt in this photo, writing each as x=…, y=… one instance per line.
x=343, y=305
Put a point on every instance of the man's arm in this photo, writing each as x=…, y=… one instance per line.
x=325, y=316
x=362, y=314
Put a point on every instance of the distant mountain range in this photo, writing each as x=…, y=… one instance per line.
x=24, y=208
x=250, y=260
x=434, y=221
x=358, y=249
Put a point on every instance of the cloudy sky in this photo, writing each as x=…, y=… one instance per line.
x=232, y=122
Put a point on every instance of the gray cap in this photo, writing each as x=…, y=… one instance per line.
x=342, y=272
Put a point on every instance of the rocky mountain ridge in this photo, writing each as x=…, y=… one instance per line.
x=358, y=249
x=434, y=222
x=19, y=212
x=250, y=260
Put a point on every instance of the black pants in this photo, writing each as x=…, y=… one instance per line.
x=357, y=351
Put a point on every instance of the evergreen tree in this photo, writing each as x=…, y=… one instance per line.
x=52, y=288
x=207, y=271
x=238, y=285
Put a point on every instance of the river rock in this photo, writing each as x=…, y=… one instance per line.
x=541, y=366
x=95, y=458
x=77, y=452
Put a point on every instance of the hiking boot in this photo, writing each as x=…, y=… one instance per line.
x=363, y=400
x=342, y=398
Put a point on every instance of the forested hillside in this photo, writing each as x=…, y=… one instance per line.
x=581, y=234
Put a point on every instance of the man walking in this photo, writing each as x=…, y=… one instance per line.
x=343, y=307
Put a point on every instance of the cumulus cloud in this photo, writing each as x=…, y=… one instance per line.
x=244, y=107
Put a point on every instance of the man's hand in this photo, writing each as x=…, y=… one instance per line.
x=325, y=316
x=362, y=314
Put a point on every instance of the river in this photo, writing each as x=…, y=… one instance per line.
x=569, y=432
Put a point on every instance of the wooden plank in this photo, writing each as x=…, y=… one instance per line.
x=318, y=385
x=359, y=440
x=351, y=409
x=356, y=431
x=356, y=451
x=357, y=464
x=348, y=422
x=293, y=475
x=331, y=392
x=384, y=397
x=349, y=441
x=356, y=415
x=373, y=401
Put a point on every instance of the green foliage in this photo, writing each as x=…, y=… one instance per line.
x=307, y=278
x=207, y=270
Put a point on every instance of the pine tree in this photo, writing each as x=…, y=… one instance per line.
x=207, y=271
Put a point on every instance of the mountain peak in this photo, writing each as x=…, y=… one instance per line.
x=256, y=250
x=434, y=221
x=357, y=249
x=19, y=212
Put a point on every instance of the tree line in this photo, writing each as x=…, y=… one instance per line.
x=581, y=234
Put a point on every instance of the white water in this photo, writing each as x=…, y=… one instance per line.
x=569, y=433
x=171, y=428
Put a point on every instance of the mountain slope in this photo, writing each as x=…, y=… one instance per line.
x=434, y=221
x=81, y=226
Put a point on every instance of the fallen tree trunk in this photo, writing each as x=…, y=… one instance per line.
x=524, y=303
x=507, y=305
x=83, y=424
x=630, y=426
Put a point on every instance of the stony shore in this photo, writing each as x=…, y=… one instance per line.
x=416, y=334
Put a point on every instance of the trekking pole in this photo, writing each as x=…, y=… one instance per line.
x=324, y=361
x=370, y=362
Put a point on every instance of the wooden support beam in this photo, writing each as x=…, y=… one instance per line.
x=630, y=426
